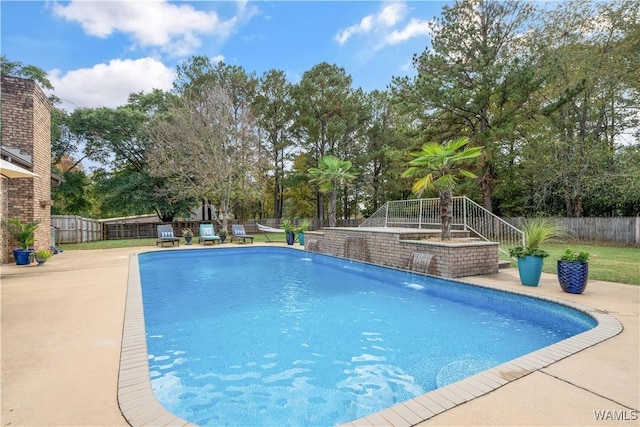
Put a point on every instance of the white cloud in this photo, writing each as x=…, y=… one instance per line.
x=216, y=59
x=364, y=27
x=109, y=85
x=392, y=14
x=388, y=16
x=414, y=28
x=174, y=28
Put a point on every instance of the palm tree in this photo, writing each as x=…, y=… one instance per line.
x=443, y=164
x=330, y=174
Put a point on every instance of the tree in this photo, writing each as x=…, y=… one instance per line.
x=442, y=165
x=330, y=174
x=71, y=196
x=198, y=80
x=475, y=80
x=590, y=49
x=383, y=152
x=18, y=69
x=274, y=112
x=112, y=136
x=299, y=196
x=321, y=99
x=117, y=138
x=207, y=148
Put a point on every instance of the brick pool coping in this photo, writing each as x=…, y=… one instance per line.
x=140, y=407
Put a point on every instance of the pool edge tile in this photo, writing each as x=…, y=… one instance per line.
x=136, y=400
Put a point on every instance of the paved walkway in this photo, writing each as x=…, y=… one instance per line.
x=62, y=328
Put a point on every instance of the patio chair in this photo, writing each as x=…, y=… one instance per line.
x=265, y=229
x=208, y=234
x=237, y=233
x=165, y=235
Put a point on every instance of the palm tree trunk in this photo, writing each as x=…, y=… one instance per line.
x=446, y=214
x=332, y=207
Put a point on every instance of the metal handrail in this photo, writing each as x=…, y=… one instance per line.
x=425, y=213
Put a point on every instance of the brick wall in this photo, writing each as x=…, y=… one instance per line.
x=4, y=207
x=394, y=248
x=26, y=126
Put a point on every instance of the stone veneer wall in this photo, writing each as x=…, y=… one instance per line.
x=26, y=126
x=392, y=247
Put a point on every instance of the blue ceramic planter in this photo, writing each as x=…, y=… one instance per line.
x=22, y=257
x=573, y=276
x=530, y=269
x=291, y=237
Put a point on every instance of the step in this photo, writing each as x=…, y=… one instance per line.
x=504, y=264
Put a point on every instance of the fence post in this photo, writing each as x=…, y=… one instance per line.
x=464, y=212
x=386, y=214
x=638, y=232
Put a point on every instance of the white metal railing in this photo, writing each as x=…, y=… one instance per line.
x=467, y=215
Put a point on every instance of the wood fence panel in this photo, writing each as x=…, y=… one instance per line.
x=76, y=229
x=131, y=231
x=621, y=231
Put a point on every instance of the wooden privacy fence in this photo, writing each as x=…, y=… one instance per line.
x=76, y=229
x=621, y=231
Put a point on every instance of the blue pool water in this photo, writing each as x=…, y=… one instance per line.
x=278, y=337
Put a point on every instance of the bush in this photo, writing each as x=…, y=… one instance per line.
x=570, y=255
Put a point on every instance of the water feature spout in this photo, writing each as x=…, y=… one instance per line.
x=311, y=245
x=355, y=247
x=421, y=262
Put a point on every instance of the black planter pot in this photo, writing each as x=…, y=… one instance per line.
x=573, y=276
x=290, y=238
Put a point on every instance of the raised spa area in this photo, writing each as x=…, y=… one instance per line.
x=415, y=249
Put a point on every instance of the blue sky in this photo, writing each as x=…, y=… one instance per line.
x=96, y=53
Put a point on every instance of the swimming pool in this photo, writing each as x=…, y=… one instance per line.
x=368, y=370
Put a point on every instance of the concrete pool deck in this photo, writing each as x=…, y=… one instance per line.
x=62, y=330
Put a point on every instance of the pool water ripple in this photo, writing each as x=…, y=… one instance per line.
x=270, y=336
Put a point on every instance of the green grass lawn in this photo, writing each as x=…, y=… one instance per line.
x=608, y=263
x=131, y=243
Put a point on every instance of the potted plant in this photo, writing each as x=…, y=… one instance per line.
x=42, y=255
x=25, y=235
x=531, y=257
x=223, y=235
x=187, y=234
x=289, y=230
x=573, y=271
x=301, y=228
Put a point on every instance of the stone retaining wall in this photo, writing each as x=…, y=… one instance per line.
x=393, y=247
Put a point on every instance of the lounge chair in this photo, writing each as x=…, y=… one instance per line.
x=165, y=235
x=208, y=234
x=237, y=233
x=265, y=229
